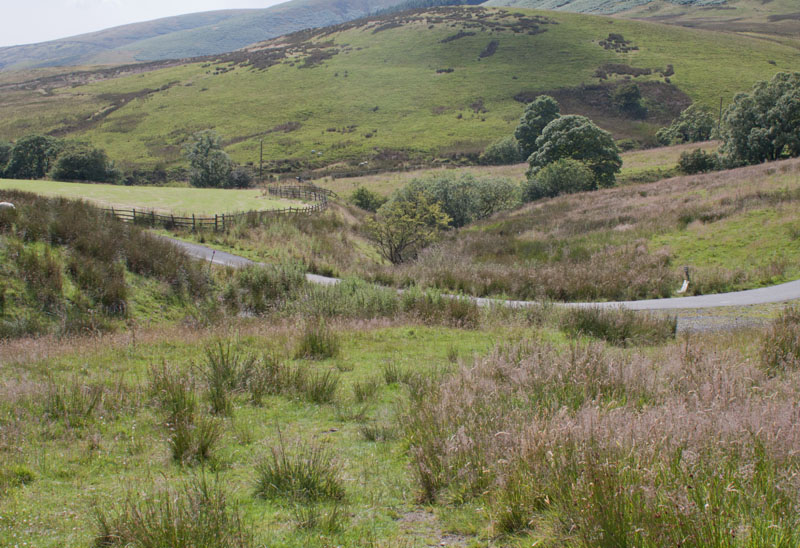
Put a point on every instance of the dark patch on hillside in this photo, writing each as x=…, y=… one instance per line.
x=616, y=42
x=490, y=49
x=664, y=102
x=784, y=17
x=459, y=34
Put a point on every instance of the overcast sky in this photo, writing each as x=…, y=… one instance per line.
x=31, y=21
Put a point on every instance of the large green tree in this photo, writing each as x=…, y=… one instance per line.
x=543, y=110
x=694, y=124
x=210, y=166
x=576, y=137
x=32, y=157
x=764, y=124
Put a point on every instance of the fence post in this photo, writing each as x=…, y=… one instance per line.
x=153, y=217
x=223, y=221
x=113, y=213
x=134, y=215
x=193, y=224
x=216, y=226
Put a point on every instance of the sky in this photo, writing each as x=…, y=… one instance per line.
x=32, y=21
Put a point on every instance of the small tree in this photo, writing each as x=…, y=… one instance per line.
x=366, y=199
x=693, y=125
x=627, y=98
x=764, y=125
x=564, y=176
x=402, y=228
x=210, y=165
x=32, y=157
x=503, y=151
x=578, y=138
x=543, y=110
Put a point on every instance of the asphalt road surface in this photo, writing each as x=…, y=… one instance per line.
x=773, y=294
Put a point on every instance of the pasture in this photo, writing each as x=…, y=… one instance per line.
x=178, y=200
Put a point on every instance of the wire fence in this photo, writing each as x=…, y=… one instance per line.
x=217, y=222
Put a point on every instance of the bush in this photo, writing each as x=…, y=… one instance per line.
x=198, y=514
x=698, y=161
x=32, y=157
x=503, y=151
x=310, y=474
x=564, y=176
x=80, y=163
x=619, y=326
x=780, y=347
x=366, y=199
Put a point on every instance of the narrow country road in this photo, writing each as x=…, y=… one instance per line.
x=773, y=294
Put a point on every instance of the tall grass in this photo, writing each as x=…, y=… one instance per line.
x=619, y=326
x=198, y=513
x=317, y=342
x=780, y=351
x=309, y=474
x=687, y=446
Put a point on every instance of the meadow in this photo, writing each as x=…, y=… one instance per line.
x=178, y=200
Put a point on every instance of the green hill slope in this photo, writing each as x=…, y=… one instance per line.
x=188, y=35
x=414, y=86
x=770, y=17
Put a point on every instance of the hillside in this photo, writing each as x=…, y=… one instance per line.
x=419, y=86
x=772, y=17
x=190, y=35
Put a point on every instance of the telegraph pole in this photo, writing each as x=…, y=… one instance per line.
x=261, y=161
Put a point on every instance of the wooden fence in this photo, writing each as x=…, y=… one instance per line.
x=301, y=192
x=225, y=220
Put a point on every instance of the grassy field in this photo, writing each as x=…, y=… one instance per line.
x=200, y=201
x=412, y=434
x=371, y=90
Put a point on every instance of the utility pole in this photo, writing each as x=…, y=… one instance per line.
x=261, y=161
x=719, y=120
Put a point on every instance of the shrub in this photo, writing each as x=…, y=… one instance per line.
x=82, y=163
x=697, y=161
x=317, y=342
x=197, y=514
x=619, y=326
x=564, y=176
x=780, y=346
x=366, y=199
x=309, y=474
x=503, y=151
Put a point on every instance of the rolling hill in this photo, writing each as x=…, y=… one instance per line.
x=779, y=18
x=190, y=35
x=414, y=87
